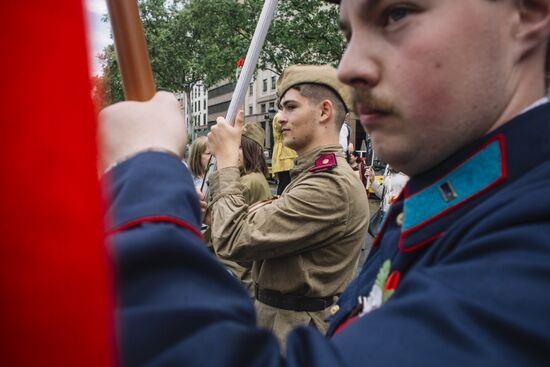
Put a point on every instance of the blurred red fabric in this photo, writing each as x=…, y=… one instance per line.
x=55, y=277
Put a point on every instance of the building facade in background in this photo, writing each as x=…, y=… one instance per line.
x=260, y=106
x=194, y=108
x=199, y=110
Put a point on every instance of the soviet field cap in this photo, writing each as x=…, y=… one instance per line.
x=314, y=74
x=254, y=132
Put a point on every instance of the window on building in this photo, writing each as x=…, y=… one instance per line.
x=204, y=103
x=250, y=110
x=251, y=89
x=262, y=107
x=204, y=118
x=265, y=85
x=219, y=108
x=271, y=105
x=273, y=82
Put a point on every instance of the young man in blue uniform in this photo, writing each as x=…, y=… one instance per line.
x=452, y=93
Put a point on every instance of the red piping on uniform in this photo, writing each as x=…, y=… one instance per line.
x=503, y=176
x=157, y=218
x=344, y=325
x=451, y=208
x=418, y=245
x=499, y=137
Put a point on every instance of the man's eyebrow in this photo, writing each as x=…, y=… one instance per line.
x=287, y=101
x=369, y=6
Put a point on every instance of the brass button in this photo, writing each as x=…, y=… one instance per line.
x=334, y=309
x=325, y=161
x=399, y=219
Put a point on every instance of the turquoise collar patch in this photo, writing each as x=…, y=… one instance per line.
x=478, y=173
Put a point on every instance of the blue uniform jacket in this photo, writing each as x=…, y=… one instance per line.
x=459, y=275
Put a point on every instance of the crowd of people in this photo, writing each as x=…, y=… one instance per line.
x=304, y=245
x=453, y=95
x=458, y=245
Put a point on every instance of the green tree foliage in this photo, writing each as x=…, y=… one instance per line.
x=111, y=75
x=214, y=30
x=201, y=40
x=303, y=32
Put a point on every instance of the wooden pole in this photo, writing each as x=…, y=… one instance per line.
x=132, y=56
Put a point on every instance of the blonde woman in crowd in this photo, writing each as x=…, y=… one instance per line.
x=198, y=160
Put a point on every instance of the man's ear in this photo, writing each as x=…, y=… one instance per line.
x=327, y=110
x=534, y=24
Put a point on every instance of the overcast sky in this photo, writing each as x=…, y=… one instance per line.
x=99, y=33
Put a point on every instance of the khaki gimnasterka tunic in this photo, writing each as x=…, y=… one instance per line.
x=254, y=188
x=305, y=243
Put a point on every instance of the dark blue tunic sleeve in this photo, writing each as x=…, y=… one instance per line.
x=476, y=297
x=176, y=304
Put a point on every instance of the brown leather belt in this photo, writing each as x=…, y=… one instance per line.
x=292, y=302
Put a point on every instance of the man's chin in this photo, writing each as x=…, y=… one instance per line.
x=400, y=160
x=409, y=163
x=288, y=143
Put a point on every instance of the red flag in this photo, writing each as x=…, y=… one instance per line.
x=56, y=304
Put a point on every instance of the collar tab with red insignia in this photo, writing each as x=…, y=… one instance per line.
x=325, y=162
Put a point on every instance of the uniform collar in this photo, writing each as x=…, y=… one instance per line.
x=537, y=103
x=304, y=162
x=435, y=199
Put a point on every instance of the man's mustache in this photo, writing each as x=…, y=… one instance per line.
x=365, y=100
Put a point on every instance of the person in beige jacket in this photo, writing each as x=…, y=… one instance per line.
x=304, y=245
x=254, y=186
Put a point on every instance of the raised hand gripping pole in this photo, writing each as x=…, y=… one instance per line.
x=266, y=17
x=268, y=12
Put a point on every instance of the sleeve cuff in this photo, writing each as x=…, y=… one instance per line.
x=224, y=182
x=150, y=185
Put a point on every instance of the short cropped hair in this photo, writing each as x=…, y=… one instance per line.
x=317, y=93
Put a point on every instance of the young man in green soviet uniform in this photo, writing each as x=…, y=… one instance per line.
x=304, y=246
